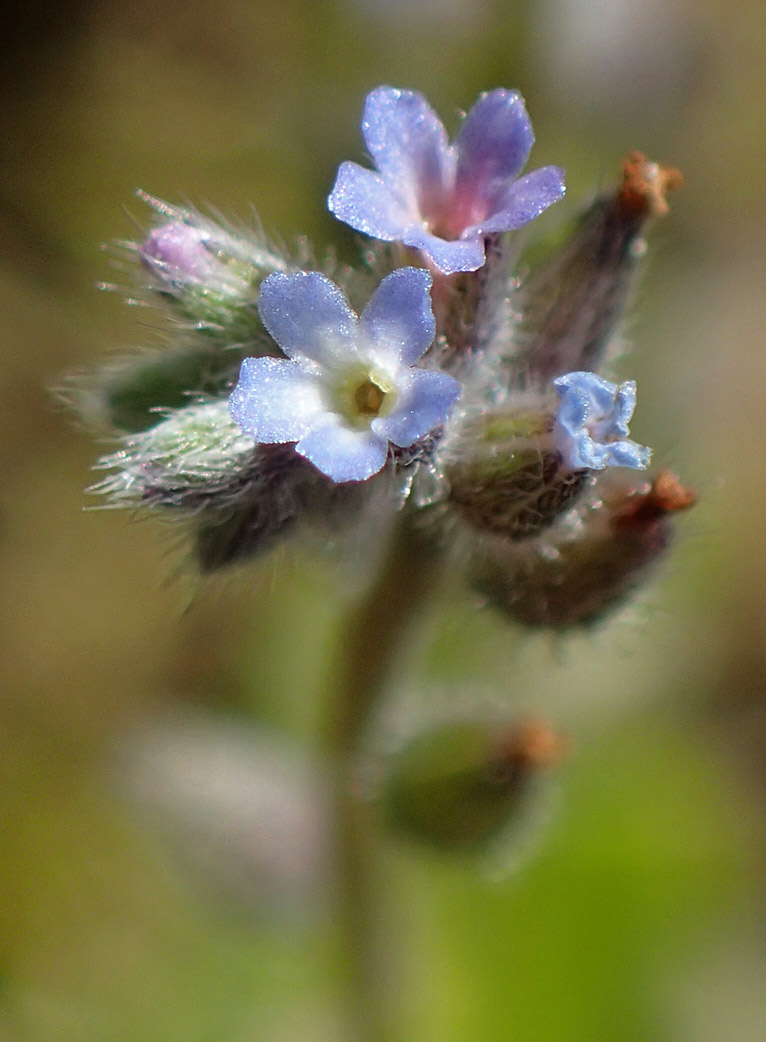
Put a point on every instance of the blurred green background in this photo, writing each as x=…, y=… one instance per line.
x=136, y=901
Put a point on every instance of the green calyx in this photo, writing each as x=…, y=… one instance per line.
x=460, y=786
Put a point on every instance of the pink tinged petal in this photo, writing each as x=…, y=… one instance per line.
x=522, y=201
x=178, y=251
x=364, y=200
x=425, y=404
x=274, y=400
x=408, y=143
x=308, y=316
x=398, y=322
x=493, y=147
x=464, y=254
x=344, y=454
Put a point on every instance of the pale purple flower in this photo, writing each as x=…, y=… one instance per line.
x=591, y=426
x=442, y=198
x=349, y=385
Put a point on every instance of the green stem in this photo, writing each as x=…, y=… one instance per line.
x=368, y=648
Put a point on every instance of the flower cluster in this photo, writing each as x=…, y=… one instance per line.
x=429, y=378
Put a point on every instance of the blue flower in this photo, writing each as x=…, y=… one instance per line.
x=591, y=424
x=349, y=385
x=439, y=198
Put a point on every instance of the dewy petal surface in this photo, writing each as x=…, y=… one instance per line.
x=522, y=201
x=424, y=405
x=274, y=400
x=407, y=142
x=493, y=144
x=398, y=321
x=446, y=255
x=364, y=200
x=308, y=316
x=343, y=454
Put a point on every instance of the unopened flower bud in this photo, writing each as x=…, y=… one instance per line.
x=174, y=463
x=210, y=273
x=181, y=253
x=458, y=787
x=133, y=393
x=238, y=498
x=572, y=305
x=512, y=480
x=578, y=579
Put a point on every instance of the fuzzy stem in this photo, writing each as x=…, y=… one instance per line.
x=372, y=637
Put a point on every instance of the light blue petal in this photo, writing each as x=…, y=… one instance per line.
x=448, y=256
x=624, y=407
x=592, y=423
x=597, y=394
x=583, y=453
x=408, y=144
x=425, y=404
x=308, y=316
x=493, y=146
x=398, y=321
x=274, y=400
x=344, y=454
x=367, y=202
x=522, y=201
x=627, y=453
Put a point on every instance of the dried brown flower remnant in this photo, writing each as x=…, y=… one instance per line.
x=646, y=184
x=666, y=495
x=532, y=745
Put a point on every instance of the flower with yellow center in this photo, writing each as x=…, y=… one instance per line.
x=348, y=385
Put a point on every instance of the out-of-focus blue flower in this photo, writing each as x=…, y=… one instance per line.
x=591, y=426
x=439, y=198
x=349, y=385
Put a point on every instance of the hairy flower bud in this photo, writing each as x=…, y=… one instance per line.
x=458, y=787
x=175, y=462
x=133, y=393
x=579, y=578
x=211, y=274
x=510, y=479
x=572, y=305
x=238, y=498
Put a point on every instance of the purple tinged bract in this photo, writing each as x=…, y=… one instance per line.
x=591, y=427
x=349, y=385
x=444, y=199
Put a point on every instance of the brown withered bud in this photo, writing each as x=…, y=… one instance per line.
x=578, y=581
x=571, y=306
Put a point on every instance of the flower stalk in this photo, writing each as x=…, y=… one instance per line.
x=442, y=409
x=369, y=649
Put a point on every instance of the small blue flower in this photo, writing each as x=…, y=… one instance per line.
x=439, y=198
x=349, y=385
x=591, y=425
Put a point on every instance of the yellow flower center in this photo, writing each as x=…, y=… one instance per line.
x=363, y=395
x=369, y=398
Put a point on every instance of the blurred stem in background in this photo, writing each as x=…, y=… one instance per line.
x=369, y=646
